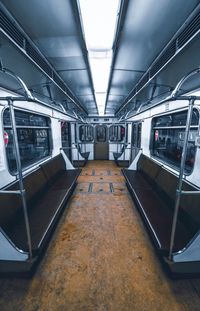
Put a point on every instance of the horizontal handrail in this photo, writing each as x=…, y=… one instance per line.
x=11, y=191
x=134, y=147
x=197, y=192
x=63, y=148
x=35, y=100
x=183, y=80
x=19, y=80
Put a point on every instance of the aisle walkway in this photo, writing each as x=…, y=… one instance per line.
x=100, y=258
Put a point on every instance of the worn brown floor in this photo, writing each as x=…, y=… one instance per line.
x=100, y=258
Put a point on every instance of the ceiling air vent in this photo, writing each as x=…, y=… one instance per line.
x=143, y=81
x=33, y=53
x=189, y=31
x=11, y=30
x=133, y=93
x=59, y=82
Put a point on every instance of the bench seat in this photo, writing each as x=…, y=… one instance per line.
x=156, y=204
x=47, y=190
x=156, y=212
x=43, y=213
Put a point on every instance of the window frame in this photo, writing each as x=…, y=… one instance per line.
x=49, y=133
x=136, y=125
x=84, y=141
x=173, y=127
x=63, y=124
x=117, y=141
x=97, y=139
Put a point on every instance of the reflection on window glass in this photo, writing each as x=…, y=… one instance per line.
x=66, y=138
x=101, y=133
x=25, y=119
x=33, y=133
x=168, y=142
x=116, y=133
x=86, y=133
x=136, y=135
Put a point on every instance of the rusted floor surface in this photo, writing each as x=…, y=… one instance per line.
x=100, y=258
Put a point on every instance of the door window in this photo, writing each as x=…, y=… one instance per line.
x=66, y=139
x=101, y=134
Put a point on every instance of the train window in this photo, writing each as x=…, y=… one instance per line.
x=136, y=135
x=34, y=138
x=101, y=133
x=167, y=140
x=66, y=138
x=86, y=133
x=75, y=132
x=116, y=133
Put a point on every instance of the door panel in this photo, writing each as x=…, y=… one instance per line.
x=101, y=147
x=135, y=140
x=66, y=138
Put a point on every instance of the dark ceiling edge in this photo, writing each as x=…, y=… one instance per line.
x=28, y=43
x=120, y=23
x=78, y=17
x=171, y=50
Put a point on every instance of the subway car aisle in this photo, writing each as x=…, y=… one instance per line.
x=100, y=257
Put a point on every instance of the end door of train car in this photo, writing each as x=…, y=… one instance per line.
x=101, y=144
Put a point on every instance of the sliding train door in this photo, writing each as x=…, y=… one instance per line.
x=101, y=146
x=66, y=139
x=135, y=139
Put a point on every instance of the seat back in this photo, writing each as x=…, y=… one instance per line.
x=34, y=183
x=53, y=168
x=166, y=183
x=148, y=167
x=11, y=204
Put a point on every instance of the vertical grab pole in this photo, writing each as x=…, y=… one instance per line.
x=77, y=142
x=117, y=139
x=181, y=172
x=124, y=144
x=86, y=136
x=19, y=171
x=78, y=154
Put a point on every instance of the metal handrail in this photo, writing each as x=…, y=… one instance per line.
x=197, y=192
x=72, y=148
x=183, y=80
x=76, y=147
x=11, y=191
x=19, y=171
x=125, y=148
x=21, y=82
x=179, y=191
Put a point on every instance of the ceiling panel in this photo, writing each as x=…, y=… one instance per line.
x=55, y=29
x=146, y=27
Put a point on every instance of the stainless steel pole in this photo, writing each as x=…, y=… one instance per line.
x=19, y=171
x=78, y=155
x=181, y=172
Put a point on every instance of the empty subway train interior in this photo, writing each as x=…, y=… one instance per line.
x=99, y=155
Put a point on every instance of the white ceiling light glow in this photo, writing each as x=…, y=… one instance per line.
x=99, y=21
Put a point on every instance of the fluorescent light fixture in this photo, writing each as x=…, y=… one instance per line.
x=100, y=71
x=99, y=21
